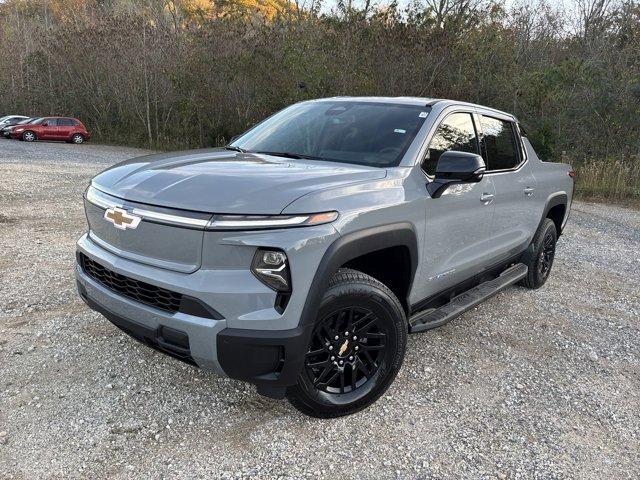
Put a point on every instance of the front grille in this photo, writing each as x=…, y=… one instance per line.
x=134, y=289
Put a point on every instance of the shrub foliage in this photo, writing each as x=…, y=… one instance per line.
x=189, y=73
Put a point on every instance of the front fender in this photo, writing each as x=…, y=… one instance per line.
x=351, y=246
x=250, y=354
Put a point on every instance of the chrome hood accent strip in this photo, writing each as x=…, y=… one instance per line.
x=149, y=213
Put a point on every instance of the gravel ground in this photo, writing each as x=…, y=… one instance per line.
x=531, y=384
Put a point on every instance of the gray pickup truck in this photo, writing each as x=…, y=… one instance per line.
x=300, y=257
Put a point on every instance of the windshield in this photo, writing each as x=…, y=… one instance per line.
x=27, y=120
x=365, y=133
x=38, y=121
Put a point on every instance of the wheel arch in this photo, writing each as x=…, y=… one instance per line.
x=556, y=210
x=358, y=244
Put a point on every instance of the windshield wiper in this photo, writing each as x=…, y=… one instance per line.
x=290, y=155
x=235, y=149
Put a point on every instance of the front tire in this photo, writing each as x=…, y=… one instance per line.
x=29, y=136
x=539, y=257
x=356, y=350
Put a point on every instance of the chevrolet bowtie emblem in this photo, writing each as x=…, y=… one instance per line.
x=121, y=219
x=343, y=348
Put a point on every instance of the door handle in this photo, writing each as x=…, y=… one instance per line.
x=528, y=191
x=486, y=198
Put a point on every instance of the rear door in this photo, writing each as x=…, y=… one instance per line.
x=514, y=183
x=65, y=127
x=458, y=224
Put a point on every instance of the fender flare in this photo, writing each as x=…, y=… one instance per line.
x=555, y=199
x=354, y=245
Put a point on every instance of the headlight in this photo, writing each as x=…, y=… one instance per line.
x=253, y=222
x=18, y=130
x=272, y=268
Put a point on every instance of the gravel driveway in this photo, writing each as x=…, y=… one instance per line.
x=531, y=384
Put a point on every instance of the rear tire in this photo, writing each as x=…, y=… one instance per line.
x=29, y=136
x=346, y=374
x=539, y=257
x=77, y=138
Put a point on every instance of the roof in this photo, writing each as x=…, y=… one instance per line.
x=397, y=100
x=422, y=101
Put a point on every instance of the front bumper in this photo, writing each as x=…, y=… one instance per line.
x=147, y=324
x=250, y=340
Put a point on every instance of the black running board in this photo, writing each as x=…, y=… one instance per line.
x=435, y=317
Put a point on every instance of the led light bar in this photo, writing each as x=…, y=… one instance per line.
x=240, y=222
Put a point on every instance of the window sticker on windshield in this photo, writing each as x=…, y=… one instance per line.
x=399, y=130
x=423, y=114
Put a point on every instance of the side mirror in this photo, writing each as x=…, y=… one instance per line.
x=456, y=167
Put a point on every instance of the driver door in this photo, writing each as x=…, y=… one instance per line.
x=49, y=129
x=458, y=223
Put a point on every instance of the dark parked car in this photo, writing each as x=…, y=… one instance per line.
x=52, y=128
x=5, y=131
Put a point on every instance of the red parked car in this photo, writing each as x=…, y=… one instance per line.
x=52, y=128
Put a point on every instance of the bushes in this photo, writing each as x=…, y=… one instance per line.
x=193, y=73
x=609, y=178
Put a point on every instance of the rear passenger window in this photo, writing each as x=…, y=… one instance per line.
x=65, y=122
x=456, y=132
x=499, y=144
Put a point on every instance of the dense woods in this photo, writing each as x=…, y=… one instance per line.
x=177, y=74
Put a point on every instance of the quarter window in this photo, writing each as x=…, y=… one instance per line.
x=456, y=132
x=499, y=144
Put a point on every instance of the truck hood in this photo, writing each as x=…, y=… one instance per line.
x=223, y=181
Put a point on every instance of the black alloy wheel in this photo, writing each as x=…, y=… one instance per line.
x=540, y=255
x=347, y=347
x=356, y=348
x=547, y=253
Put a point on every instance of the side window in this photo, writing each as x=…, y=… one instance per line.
x=51, y=122
x=65, y=122
x=456, y=132
x=499, y=144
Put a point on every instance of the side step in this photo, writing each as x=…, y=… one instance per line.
x=435, y=317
